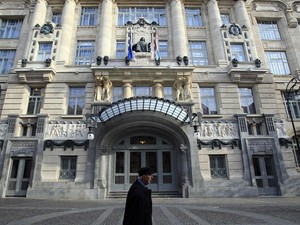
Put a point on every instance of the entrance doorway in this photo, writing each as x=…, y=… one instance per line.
x=265, y=175
x=19, y=177
x=149, y=151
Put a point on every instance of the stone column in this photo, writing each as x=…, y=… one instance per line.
x=127, y=92
x=243, y=19
x=178, y=33
x=158, y=88
x=68, y=19
x=217, y=40
x=39, y=14
x=105, y=31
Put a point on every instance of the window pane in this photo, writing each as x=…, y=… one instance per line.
x=7, y=58
x=193, y=17
x=168, y=93
x=120, y=162
x=237, y=51
x=149, y=13
x=277, y=63
x=142, y=91
x=218, y=166
x=120, y=50
x=10, y=28
x=269, y=30
x=85, y=53
x=76, y=101
x=56, y=17
x=117, y=93
x=208, y=100
x=198, y=54
x=135, y=162
x=225, y=19
x=44, y=51
x=68, y=167
x=88, y=16
x=163, y=49
x=247, y=100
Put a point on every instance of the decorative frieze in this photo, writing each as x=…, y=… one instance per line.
x=23, y=148
x=67, y=130
x=218, y=130
x=260, y=146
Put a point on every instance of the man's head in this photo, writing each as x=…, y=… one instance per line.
x=145, y=175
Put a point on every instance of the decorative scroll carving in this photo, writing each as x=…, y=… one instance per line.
x=218, y=143
x=66, y=144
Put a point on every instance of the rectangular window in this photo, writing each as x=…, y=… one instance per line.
x=44, y=51
x=10, y=28
x=68, y=167
x=268, y=30
x=56, y=17
x=238, y=52
x=208, y=100
x=293, y=100
x=225, y=18
x=7, y=58
x=193, y=17
x=163, y=49
x=120, y=50
x=142, y=91
x=198, y=53
x=151, y=14
x=168, y=93
x=117, y=93
x=88, y=16
x=277, y=63
x=76, y=100
x=85, y=53
x=247, y=100
x=35, y=101
x=218, y=166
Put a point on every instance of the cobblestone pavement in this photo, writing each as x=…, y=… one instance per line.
x=176, y=211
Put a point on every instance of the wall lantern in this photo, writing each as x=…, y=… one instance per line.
x=99, y=60
x=91, y=124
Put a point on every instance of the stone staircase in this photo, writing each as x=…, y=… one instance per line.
x=116, y=195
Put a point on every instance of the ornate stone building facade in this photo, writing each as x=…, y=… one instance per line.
x=196, y=90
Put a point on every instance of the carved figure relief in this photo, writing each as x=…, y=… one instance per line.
x=102, y=90
x=218, y=130
x=70, y=131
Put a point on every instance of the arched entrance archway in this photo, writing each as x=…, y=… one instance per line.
x=137, y=139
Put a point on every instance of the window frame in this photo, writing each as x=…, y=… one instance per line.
x=269, y=30
x=193, y=17
x=71, y=172
x=85, y=52
x=157, y=14
x=120, y=49
x=36, y=97
x=44, y=51
x=9, y=30
x=202, y=51
x=7, y=58
x=215, y=172
x=279, y=65
x=142, y=87
x=163, y=49
x=76, y=97
x=88, y=18
x=239, y=54
x=208, y=100
x=249, y=99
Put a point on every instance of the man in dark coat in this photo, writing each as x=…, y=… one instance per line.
x=138, y=209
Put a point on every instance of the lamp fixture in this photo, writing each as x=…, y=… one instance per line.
x=91, y=123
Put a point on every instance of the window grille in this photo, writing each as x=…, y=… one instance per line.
x=269, y=30
x=218, y=166
x=68, y=167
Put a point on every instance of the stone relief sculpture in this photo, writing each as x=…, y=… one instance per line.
x=218, y=130
x=183, y=86
x=102, y=90
x=280, y=130
x=71, y=131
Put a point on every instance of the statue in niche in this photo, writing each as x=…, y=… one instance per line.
x=179, y=86
x=187, y=87
x=102, y=89
x=183, y=86
x=141, y=46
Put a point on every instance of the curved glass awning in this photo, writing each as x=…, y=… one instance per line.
x=143, y=103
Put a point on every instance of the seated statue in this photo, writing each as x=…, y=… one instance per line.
x=141, y=46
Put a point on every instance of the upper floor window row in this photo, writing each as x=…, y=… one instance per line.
x=151, y=14
x=10, y=28
x=269, y=30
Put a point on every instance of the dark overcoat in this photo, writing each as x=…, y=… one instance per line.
x=138, y=209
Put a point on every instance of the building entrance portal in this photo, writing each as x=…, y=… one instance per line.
x=134, y=152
